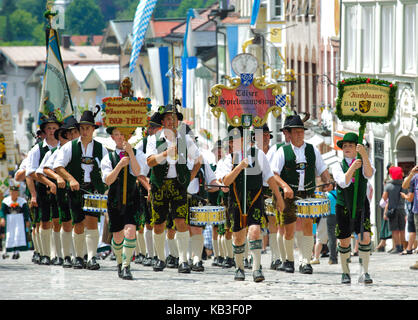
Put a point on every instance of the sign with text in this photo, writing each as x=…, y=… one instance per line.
x=252, y=97
x=365, y=100
x=126, y=112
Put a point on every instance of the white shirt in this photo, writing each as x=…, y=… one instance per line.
x=65, y=153
x=278, y=162
x=209, y=176
x=106, y=164
x=192, y=151
x=225, y=167
x=24, y=163
x=140, y=153
x=339, y=175
x=34, y=157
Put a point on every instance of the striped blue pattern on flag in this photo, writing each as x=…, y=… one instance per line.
x=254, y=13
x=142, y=17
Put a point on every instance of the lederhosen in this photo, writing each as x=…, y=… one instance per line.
x=119, y=216
x=12, y=229
x=47, y=201
x=169, y=195
x=75, y=169
x=254, y=197
x=62, y=200
x=290, y=175
x=345, y=225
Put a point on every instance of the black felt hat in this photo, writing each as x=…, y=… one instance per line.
x=155, y=120
x=169, y=108
x=293, y=121
x=71, y=123
x=88, y=117
x=50, y=119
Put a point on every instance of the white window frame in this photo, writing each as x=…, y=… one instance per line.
x=370, y=68
x=413, y=69
x=383, y=37
x=273, y=5
x=349, y=26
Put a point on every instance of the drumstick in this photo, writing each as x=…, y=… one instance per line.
x=216, y=186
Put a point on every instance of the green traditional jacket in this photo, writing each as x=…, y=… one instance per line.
x=347, y=194
x=289, y=172
x=159, y=172
x=75, y=169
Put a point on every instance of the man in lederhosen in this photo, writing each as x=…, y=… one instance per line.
x=78, y=163
x=296, y=166
x=68, y=132
x=122, y=218
x=44, y=200
x=258, y=172
x=167, y=153
x=344, y=175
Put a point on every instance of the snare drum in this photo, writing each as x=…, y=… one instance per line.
x=204, y=215
x=313, y=207
x=95, y=203
x=269, y=208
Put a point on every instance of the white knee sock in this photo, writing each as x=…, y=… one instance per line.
x=159, y=242
x=197, y=247
x=58, y=245
x=148, y=242
x=273, y=246
x=228, y=246
x=46, y=241
x=66, y=239
x=289, y=247
x=128, y=251
x=215, y=248
x=140, y=240
x=308, y=243
x=79, y=241
x=281, y=248
x=172, y=247
x=182, y=244
x=92, y=241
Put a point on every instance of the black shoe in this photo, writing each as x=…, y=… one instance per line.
x=177, y=262
x=34, y=256
x=170, y=262
x=345, y=278
x=215, y=262
x=85, y=261
x=154, y=260
x=159, y=265
x=239, y=275
x=54, y=260
x=112, y=256
x=190, y=262
x=305, y=269
x=16, y=256
x=45, y=261
x=258, y=276
x=365, y=278
x=126, y=273
x=139, y=259
x=58, y=261
x=250, y=263
x=78, y=263
x=120, y=270
x=245, y=263
x=289, y=266
x=184, y=268
x=147, y=262
x=198, y=267
x=92, y=264
x=228, y=263
x=275, y=264
x=67, y=262
x=220, y=261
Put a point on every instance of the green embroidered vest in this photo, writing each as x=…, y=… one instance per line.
x=116, y=188
x=346, y=195
x=75, y=169
x=289, y=172
x=159, y=172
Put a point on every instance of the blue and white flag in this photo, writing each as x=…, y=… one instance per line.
x=141, y=21
x=158, y=58
x=254, y=13
x=55, y=95
x=188, y=62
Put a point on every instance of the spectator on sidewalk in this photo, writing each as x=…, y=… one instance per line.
x=396, y=204
x=411, y=182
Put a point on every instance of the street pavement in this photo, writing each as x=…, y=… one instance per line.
x=392, y=279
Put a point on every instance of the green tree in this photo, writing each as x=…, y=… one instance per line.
x=84, y=17
x=8, y=7
x=35, y=7
x=22, y=24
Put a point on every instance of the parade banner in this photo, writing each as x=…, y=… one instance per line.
x=128, y=112
x=365, y=100
x=246, y=96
